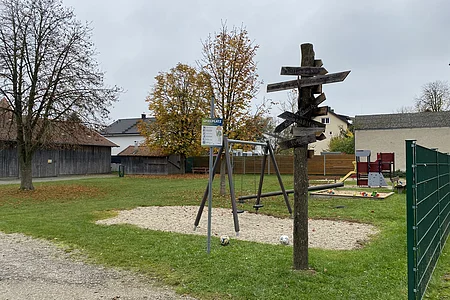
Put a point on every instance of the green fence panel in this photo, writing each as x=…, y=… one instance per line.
x=428, y=213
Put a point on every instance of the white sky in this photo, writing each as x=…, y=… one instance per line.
x=392, y=47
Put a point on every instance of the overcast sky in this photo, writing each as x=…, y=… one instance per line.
x=392, y=47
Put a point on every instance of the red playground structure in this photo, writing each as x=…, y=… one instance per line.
x=371, y=174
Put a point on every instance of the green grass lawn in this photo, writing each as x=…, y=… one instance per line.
x=65, y=212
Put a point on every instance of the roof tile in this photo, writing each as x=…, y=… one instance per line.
x=403, y=120
x=124, y=126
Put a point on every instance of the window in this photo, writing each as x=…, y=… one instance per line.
x=325, y=120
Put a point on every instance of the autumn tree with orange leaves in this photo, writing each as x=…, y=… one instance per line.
x=179, y=100
x=229, y=59
x=181, y=97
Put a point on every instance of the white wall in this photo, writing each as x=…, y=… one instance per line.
x=123, y=142
x=393, y=140
x=332, y=129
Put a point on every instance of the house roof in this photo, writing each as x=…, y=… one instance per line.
x=125, y=126
x=4, y=103
x=140, y=151
x=403, y=120
x=343, y=118
x=62, y=133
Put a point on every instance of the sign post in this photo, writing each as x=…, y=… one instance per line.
x=212, y=136
x=212, y=132
x=310, y=78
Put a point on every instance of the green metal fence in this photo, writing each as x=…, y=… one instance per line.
x=428, y=213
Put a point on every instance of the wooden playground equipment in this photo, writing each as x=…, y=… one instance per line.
x=268, y=152
x=372, y=174
x=225, y=150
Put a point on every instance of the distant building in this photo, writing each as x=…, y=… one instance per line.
x=125, y=132
x=388, y=132
x=139, y=160
x=75, y=151
x=334, y=124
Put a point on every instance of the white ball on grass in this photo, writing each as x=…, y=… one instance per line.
x=284, y=240
x=224, y=240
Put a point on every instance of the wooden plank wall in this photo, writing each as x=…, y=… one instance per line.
x=85, y=160
x=330, y=164
x=143, y=165
x=9, y=165
x=176, y=164
x=55, y=162
x=45, y=163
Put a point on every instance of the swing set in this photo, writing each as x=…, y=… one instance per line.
x=225, y=149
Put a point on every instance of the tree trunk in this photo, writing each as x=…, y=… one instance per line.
x=26, y=175
x=301, y=176
x=300, y=208
x=223, y=190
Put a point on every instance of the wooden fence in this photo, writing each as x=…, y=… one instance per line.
x=327, y=165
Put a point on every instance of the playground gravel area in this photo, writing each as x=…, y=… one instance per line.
x=325, y=234
x=37, y=269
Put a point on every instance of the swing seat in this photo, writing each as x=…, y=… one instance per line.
x=240, y=211
x=258, y=206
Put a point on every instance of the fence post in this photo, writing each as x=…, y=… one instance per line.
x=438, y=172
x=447, y=199
x=410, y=217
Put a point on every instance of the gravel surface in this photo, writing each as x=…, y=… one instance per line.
x=37, y=269
x=324, y=234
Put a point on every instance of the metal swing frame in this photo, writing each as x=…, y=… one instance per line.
x=225, y=149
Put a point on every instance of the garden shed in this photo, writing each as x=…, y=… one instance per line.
x=140, y=160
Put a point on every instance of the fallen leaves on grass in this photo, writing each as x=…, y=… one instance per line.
x=175, y=176
x=54, y=193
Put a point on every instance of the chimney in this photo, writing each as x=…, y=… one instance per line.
x=136, y=147
x=143, y=116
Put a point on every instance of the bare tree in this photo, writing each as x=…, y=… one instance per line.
x=406, y=110
x=435, y=97
x=48, y=74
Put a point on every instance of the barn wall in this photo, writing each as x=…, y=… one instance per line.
x=85, y=160
x=138, y=165
x=55, y=162
x=45, y=163
x=9, y=166
x=176, y=164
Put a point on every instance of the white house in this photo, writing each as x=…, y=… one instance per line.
x=334, y=124
x=124, y=132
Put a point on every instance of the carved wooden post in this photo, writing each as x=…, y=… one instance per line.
x=306, y=130
x=301, y=175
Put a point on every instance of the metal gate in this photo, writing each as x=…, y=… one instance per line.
x=428, y=213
